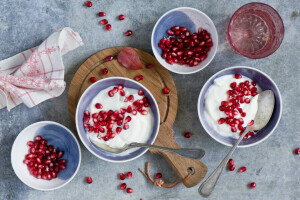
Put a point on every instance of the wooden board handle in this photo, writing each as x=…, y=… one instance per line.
x=179, y=164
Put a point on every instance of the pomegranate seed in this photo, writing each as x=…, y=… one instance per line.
x=251, y=123
x=104, y=22
x=89, y=180
x=108, y=27
x=129, y=175
x=88, y=4
x=109, y=58
x=252, y=185
x=141, y=92
x=128, y=33
x=93, y=79
x=253, y=83
x=233, y=129
x=242, y=169
x=166, y=91
x=297, y=151
x=122, y=93
x=125, y=126
x=233, y=85
x=104, y=71
x=121, y=17
x=98, y=106
x=231, y=167
x=221, y=121
x=128, y=119
x=129, y=190
x=238, y=76
x=230, y=162
x=149, y=66
x=111, y=93
x=187, y=135
x=144, y=112
x=38, y=138
x=134, y=112
x=102, y=14
x=123, y=186
x=243, y=114
x=158, y=175
x=122, y=176
x=118, y=130
x=139, y=77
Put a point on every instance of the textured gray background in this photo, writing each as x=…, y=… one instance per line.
x=271, y=164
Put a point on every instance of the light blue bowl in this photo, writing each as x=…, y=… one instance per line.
x=85, y=101
x=266, y=83
x=58, y=136
x=192, y=19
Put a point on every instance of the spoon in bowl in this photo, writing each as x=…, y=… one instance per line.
x=185, y=152
x=266, y=102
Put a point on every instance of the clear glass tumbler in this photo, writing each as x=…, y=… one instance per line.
x=255, y=30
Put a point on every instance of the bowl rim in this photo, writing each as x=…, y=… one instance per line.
x=228, y=38
x=215, y=43
x=211, y=78
x=46, y=123
x=76, y=120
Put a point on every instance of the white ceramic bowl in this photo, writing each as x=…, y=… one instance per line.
x=58, y=136
x=192, y=19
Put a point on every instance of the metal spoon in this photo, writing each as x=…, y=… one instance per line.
x=186, y=152
x=266, y=103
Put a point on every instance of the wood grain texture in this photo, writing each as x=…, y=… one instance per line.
x=155, y=79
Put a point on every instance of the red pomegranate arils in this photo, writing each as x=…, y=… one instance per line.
x=122, y=176
x=252, y=185
x=108, y=27
x=109, y=58
x=139, y=77
x=89, y=180
x=231, y=167
x=230, y=162
x=88, y=4
x=251, y=123
x=104, y=71
x=123, y=186
x=98, y=106
x=253, y=83
x=129, y=174
x=121, y=17
x=102, y=14
x=127, y=119
x=297, y=151
x=141, y=92
x=125, y=126
x=187, y=135
x=144, y=112
x=158, y=175
x=166, y=91
x=128, y=33
x=111, y=93
x=104, y=22
x=149, y=66
x=238, y=76
x=122, y=93
x=221, y=121
x=129, y=190
x=93, y=79
x=242, y=169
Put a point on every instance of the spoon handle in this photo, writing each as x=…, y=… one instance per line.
x=186, y=152
x=209, y=184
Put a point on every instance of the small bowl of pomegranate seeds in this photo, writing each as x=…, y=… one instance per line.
x=114, y=112
x=184, y=40
x=228, y=103
x=46, y=156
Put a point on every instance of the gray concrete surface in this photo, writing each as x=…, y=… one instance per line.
x=271, y=164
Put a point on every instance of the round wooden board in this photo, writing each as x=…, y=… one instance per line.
x=155, y=79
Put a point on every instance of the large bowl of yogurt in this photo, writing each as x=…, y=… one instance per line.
x=228, y=102
x=113, y=113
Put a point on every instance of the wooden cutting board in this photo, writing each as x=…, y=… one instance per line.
x=155, y=79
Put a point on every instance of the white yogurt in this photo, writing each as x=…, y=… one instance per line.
x=217, y=93
x=140, y=126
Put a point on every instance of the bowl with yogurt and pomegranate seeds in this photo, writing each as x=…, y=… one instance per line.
x=114, y=112
x=228, y=103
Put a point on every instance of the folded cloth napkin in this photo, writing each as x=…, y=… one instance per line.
x=37, y=74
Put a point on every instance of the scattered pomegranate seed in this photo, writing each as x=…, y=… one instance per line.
x=122, y=176
x=252, y=185
x=231, y=167
x=149, y=66
x=104, y=22
x=238, y=76
x=121, y=17
x=242, y=169
x=230, y=162
x=187, y=135
x=128, y=33
x=158, y=175
x=93, y=79
x=111, y=93
x=141, y=92
x=123, y=186
x=102, y=14
x=297, y=151
x=109, y=58
x=129, y=190
x=88, y=4
x=104, y=71
x=129, y=175
x=98, y=106
x=38, y=138
x=139, y=77
x=166, y=91
x=108, y=27
x=89, y=180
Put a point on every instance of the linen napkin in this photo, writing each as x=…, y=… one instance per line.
x=37, y=74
